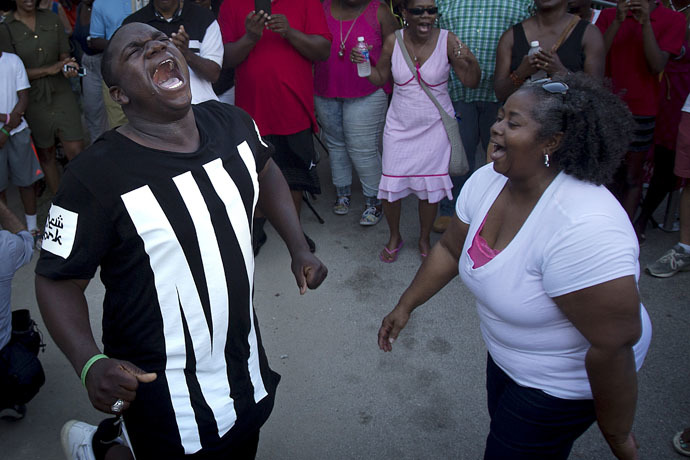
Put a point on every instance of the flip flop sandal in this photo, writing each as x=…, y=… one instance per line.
x=393, y=254
x=681, y=446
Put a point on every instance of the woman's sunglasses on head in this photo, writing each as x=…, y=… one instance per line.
x=556, y=87
x=553, y=87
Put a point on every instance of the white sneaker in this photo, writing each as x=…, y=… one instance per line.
x=13, y=413
x=370, y=216
x=76, y=440
x=342, y=205
x=674, y=261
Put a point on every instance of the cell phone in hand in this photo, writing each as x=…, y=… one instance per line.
x=80, y=71
x=263, y=5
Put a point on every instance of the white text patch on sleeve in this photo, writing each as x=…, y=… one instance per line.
x=60, y=230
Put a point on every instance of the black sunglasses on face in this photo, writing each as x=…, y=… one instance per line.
x=420, y=11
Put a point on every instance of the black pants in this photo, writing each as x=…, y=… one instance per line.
x=528, y=424
x=244, y=449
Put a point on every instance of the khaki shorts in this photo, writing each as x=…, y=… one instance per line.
x=18, y=162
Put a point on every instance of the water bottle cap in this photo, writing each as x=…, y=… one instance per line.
x=360, y=39
x=534, y=44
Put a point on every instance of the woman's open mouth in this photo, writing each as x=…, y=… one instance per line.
x=167, y=75
x=424, y=27
x=498, y=151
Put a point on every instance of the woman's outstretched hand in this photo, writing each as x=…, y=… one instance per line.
x=391, y=326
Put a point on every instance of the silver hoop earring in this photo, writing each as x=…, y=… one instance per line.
x=405, y=24
x=546, y=160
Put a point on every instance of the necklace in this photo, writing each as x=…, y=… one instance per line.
x=414, y=50
x=679, y=10
x=341, y=51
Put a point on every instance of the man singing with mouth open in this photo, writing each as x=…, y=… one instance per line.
x=164, y=206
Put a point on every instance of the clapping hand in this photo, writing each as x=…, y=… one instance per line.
x=181, y=40
x=640, y=10
x=622, y=7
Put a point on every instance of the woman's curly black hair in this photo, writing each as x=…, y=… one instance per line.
x=596, y=123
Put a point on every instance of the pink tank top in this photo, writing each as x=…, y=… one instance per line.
x=337, y=76
x=480, y=252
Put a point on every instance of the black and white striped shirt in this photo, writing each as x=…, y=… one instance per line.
x=172, y=235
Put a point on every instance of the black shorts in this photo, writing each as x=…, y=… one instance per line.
x=296, y=157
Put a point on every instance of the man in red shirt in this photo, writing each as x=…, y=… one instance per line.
x=273, y=55
x=639, y=35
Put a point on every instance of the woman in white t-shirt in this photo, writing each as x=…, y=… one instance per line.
x=553, y=262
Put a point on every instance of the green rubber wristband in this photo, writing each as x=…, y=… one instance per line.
x=87, y=366
x=5, y=131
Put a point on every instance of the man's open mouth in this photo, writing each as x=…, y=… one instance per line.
x=167, y=75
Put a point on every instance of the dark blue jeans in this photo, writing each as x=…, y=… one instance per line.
x=528, y=424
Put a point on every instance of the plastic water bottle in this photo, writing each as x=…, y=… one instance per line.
x=533, y=49
x=363, y=68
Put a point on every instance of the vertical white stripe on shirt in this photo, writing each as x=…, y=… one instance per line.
x=261, y=139
x=211, y=368
x=230, y=195
x=172, y=277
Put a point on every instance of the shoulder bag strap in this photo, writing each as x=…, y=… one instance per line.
x=408, y=60
x=566, y=32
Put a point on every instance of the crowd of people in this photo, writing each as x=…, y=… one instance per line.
x=200, y=117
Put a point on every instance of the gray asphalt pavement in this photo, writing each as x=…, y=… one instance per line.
x=342, y=398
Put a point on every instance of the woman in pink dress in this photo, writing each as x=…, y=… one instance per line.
x=416, y=149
